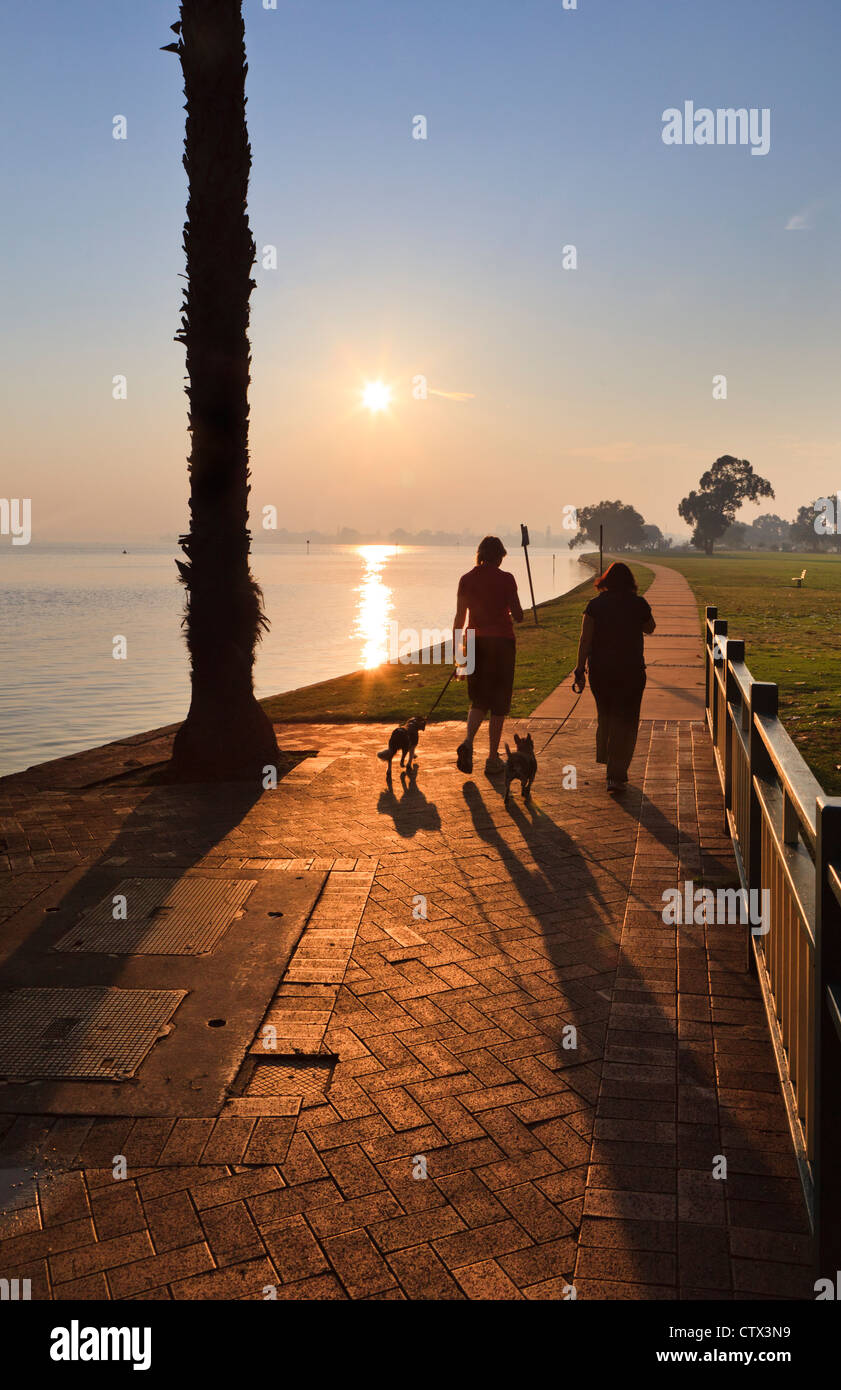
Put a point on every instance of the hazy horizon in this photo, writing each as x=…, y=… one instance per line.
x=442, y=257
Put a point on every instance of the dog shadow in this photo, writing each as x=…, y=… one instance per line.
x=518, y=808
x=411, y=811
x=523, y=803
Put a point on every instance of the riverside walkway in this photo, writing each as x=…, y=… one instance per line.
x=513, y=1079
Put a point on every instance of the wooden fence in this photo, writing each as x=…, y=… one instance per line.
x=786, y=836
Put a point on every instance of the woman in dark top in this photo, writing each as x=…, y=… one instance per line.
x=611, y=646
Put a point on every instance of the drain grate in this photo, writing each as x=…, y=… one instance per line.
x=163, y=917
x=309, y=1077
x=91, y=1033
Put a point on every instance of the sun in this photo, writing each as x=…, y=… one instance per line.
x=376, y=396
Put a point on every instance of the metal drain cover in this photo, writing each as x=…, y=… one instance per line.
x=92, y=1033
x=162, y=917
x=309, y=1078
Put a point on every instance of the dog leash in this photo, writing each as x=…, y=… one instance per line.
x=443, y=692
x=551, y=736
x=563, y=721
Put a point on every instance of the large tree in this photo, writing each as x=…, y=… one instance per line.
x=721, y=492
x=226, y=733
x=623, y=526
x=812, y=528
x=653, y=538
x=770, y=532
x=735, y=537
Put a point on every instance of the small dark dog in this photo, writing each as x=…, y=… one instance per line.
x=521, y=766
x=404, y=739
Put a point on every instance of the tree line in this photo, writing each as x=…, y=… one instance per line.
x=711, y=511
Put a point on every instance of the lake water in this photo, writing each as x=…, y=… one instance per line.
x=62, y=607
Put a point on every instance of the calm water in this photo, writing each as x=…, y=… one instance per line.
x=61, y=608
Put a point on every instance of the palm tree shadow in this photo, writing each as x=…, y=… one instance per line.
x=168, y=831
x=410, y=812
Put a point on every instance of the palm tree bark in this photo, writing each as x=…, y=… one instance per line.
x=226, y=733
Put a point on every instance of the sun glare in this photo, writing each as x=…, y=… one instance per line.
x=375, y=605
x=376, y=396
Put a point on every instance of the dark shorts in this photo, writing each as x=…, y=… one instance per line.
x=492, y=682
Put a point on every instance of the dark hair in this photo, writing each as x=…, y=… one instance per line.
x=617, y=578
x=490, y=551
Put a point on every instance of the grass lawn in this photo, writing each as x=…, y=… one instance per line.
x=390, y=694
x=791, y=637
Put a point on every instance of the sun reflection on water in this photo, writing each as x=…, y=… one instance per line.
x=374, y=606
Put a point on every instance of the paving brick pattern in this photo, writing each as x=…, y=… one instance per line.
x=562, y=1066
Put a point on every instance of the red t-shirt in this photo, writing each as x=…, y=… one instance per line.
x=489, y=594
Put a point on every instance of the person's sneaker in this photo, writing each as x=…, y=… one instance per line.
x=612, y=786
x=493, y=766
x=464, y=757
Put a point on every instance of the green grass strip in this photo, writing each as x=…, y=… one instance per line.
x=791, y=637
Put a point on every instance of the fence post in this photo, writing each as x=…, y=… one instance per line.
x=827, y=1060
x=719, y=630
x=763, y=700
x=735, y=652
x=710, y=615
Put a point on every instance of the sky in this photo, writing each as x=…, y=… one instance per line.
x=443, y=258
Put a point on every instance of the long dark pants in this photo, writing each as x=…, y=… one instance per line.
x=618, y=701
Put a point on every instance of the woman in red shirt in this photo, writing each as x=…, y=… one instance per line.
x=489, y=595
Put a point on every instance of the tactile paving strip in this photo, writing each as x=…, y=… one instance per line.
x=309, y=1079
x=164, y=917
x=92, y=1033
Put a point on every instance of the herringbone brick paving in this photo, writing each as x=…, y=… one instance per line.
x=563, y=1065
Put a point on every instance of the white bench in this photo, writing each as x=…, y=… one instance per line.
x=798, y=582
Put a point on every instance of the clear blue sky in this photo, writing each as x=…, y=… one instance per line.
x=440, y=257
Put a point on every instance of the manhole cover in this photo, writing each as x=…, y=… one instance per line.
x=309, y=1078
x=89, y=1033
x=160, y=917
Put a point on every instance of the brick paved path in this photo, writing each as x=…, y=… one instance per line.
x=548, y=1165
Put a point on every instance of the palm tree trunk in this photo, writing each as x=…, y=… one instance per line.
x=226, y=733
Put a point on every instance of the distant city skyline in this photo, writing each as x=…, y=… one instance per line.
x=549, y=378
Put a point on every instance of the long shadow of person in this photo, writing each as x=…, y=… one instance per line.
x=561, y=892
x=640, y=808
x=716, y=867
x=410, y=812
x=575, y=897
